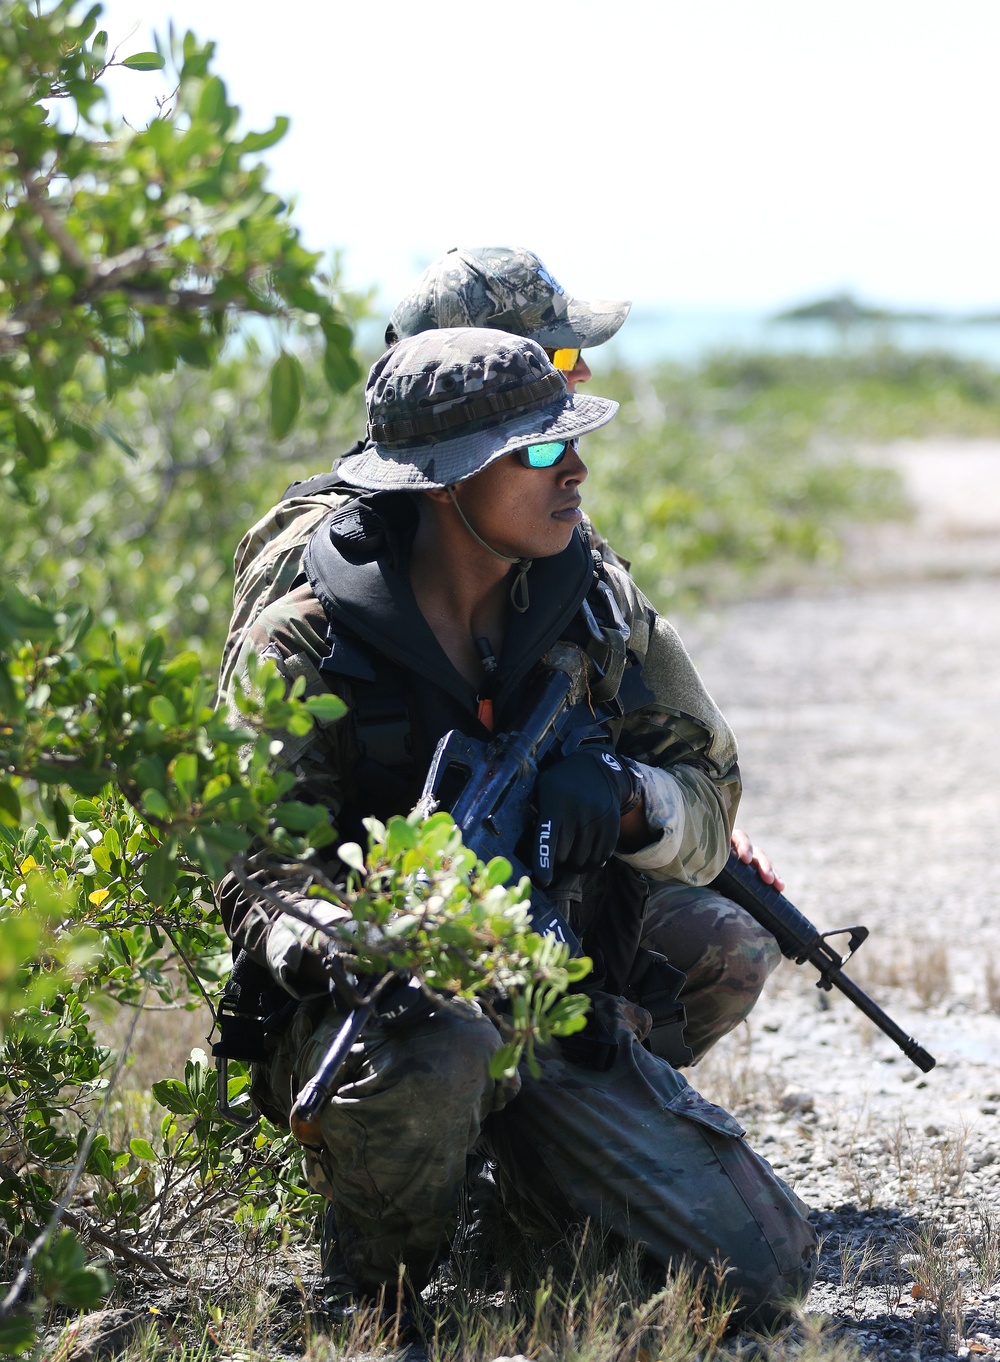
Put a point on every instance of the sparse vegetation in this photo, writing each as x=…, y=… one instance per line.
x=747, y=463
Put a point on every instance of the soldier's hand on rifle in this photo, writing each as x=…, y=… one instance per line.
x=751, y=855
x=580, y=804
x=297, y=952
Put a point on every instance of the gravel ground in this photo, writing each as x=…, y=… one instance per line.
x=867, y=716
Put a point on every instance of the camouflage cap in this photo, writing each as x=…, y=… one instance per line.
x=506, y=288
x=444, y=405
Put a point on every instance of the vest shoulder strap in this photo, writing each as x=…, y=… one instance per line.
x=608, y=633
x=379, y=708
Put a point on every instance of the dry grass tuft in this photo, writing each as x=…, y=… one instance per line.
x=982, y=1244
x=729, y=1076
x=991, y=981
x=938, y=1280
x=580, y=1299
x=922, y=972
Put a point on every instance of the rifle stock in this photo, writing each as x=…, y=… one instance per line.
x=800, y=941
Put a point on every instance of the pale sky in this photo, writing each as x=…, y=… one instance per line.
x=736, y=154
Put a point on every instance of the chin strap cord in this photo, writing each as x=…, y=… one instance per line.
x=519, y=591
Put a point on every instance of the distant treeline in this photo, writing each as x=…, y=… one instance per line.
x=843, y=309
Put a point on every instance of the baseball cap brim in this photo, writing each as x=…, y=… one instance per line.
x=380, y=469
x=583, y=324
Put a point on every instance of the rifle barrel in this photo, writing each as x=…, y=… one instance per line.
x=800, y=941
x=312, y=1095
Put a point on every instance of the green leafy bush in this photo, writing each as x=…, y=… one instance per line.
x=137, y=247
x=124, y=792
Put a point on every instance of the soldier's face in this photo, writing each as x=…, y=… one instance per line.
x=525, y=512
x=580, y=372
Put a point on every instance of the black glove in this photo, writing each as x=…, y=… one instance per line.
x=580, y=801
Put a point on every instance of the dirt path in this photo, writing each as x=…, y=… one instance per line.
x=869, y=727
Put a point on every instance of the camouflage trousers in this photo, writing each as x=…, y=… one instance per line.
x=635, y=1150
x=726, y=955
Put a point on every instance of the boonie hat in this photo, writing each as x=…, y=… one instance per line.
x=509, y=289
x=445, y=404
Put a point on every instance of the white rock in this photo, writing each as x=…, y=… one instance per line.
x=796, y=1099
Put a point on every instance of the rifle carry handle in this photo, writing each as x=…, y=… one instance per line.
x=800, y=941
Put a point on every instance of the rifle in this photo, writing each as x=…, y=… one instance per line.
x=487, y=788
x=800, y=941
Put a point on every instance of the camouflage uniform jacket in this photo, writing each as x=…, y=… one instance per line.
x=357, y=562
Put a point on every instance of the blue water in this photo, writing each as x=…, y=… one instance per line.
x=689, y=336
x=686, y=337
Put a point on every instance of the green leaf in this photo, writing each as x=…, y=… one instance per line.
x=226, y=836
x=87, y=782
x=63, y=1254
x=298, y=817
x=98, y=1162
x=142, y=1149
x=578, y=968
x=159, y=875
x=260, y=141
x=326, y=708
x=83, y=435
x=10, y=805
x=185, y=667
x=22, y=617
x=152, y=652
x=173, y=1094
x=83, y=782
x=156, y=805
x=144, y=61
x=569, y=1014
x=185, y=773
x=61, y=815
x=400, y=836
x=86, y=811
x=498, y=871
x=212, y=106
x=30, y=440
x=340, y=369
x=83, y=1289
x=163, y=711
x=286, y=394
x=17, y=1334
x=503, y=1062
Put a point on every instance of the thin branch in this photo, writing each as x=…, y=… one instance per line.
x=56, y=229
x=61, y=1208
x=192, y=973
x=152, y=1262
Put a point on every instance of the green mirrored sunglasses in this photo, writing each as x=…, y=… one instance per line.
x=544, y=456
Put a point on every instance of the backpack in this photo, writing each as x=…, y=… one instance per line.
x=267, y=563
